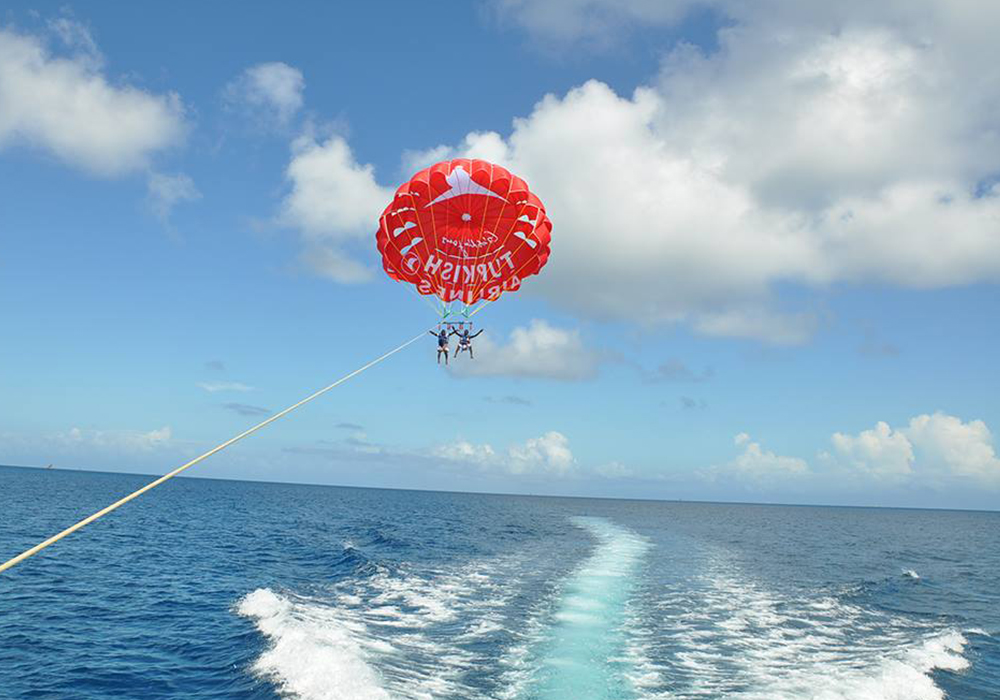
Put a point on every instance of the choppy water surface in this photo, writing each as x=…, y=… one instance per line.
x=215, y=589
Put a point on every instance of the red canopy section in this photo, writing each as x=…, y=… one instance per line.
x=464, y=231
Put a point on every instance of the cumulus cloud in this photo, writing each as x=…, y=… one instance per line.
x=116, y=440
x=945, y=444
x=270, y=92
x=880, y=452
x=813, y=147
x=334, y=203
x=548, y=454
x=756, y=466
x=166, y=191
x=67, y=106
x=932, y=448
x=335, y=264
x=539, y=350
x=757, y=463
x=465, y=451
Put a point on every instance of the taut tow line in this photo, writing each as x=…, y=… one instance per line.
x=218, y=448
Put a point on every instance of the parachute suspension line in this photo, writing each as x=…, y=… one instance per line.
x=482, y=253
x=466, y=312
x=481, y=286
x=420, y=226
x=420, y=296
x=490, y=301
x=218, y=448
x=464, y=285
x=481, y=307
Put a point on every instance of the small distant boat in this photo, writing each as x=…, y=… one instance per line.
x=50, y=466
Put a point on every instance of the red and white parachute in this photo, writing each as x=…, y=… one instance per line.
x=464, y=231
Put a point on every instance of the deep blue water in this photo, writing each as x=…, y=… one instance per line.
x=222, y=589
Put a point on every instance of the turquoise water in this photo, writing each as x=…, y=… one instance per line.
x=220, y=589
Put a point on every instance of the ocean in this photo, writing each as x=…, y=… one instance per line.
x=224, y=589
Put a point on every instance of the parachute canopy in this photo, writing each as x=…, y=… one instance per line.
x=464, y=231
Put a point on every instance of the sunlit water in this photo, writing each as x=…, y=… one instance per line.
x=214, y=589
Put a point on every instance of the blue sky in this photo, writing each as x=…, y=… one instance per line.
x=773, y=277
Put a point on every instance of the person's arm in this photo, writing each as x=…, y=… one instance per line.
x=433, y=333
x=477, y=332
x=453, y=332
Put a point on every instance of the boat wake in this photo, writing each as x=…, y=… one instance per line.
x=610, y=626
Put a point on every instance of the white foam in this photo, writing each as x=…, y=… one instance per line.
x=312, y=656
x=899, y=676
x=394, y=634
x=733, y=637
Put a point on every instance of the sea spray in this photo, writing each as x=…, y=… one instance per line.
x=313, y=655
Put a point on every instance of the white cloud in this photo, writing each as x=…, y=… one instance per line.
x=758, y=324
x=539, y=350
x=116, y=440
x=609, y=21
x=881, y=452
x=548, y=454
x=930, y=449
x=465, y=451
x=334, y=202
x=75, y=35
x=335, y=264
x=272, y=92
x=757, y=466
x=486, y=145
x=65, y=105
x=215, y=387
x=815, y=147
x=166, y=191
x=944, y=443
x=333, y=197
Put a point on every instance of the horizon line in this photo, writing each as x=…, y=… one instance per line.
x=506, y=494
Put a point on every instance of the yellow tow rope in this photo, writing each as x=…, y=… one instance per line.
x=218, y=448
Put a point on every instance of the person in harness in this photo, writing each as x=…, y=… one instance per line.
x=442, y=337
x=465, y=341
